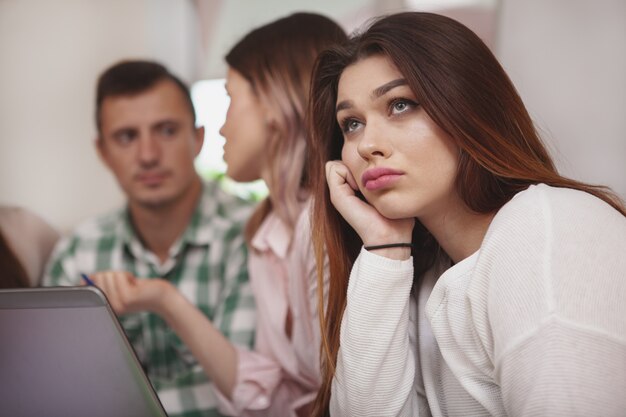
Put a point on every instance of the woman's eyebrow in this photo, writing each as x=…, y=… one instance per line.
x=377, y=93
x=383, y=89
x=346, y=104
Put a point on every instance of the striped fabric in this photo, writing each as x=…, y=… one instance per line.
x=208, y=264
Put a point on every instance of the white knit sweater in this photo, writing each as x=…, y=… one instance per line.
x=532, y=324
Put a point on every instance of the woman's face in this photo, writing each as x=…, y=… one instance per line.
x=403, y=163
x=246, y=130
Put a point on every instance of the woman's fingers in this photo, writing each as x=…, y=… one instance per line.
x=370, y=225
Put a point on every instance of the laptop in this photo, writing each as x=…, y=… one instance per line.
x=63, y=353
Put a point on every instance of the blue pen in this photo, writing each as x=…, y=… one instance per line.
x=87, y=280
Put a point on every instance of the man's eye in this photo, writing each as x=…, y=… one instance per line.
x=125, y=137
x=168, y=130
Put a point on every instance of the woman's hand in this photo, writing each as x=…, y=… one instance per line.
x=371, y=226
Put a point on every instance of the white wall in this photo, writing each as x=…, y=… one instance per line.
x=567, y=58
x=224, y=22
x=51, y=53
x=568, y=61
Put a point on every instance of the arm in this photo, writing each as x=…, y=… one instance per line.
x=262, y=383
x=375, y=365
x=212, y=350
x=564, y=369
x=559, y=333
x=205, y=339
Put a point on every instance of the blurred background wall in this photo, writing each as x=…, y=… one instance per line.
x=566, y=57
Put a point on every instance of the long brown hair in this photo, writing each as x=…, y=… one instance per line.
x=13, y=273
x=466, y=92
x=277, y=59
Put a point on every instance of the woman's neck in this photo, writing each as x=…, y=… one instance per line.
x=459, y=231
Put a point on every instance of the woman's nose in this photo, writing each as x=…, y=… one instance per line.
x=373, y=142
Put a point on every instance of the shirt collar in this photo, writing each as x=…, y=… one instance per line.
x=274, y=235
x=209, y=216
x=199, y=231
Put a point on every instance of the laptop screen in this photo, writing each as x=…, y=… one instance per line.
x=63, y=353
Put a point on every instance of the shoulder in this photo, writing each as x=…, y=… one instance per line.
x=553, y=225
x=567, y=199
x=542, y=211
x=220, y=219
x=88, y=233
x=218, y=206
x=302, y=229
x=107, y=224
x=30, y=237
x=549, y=252
x=19, y=220
x=27, y=231
x=301, y=241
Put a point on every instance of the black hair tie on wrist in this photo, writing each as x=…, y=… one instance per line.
x=390, y=245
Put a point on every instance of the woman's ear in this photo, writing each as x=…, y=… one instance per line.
x=270, y=117
x=270, y=124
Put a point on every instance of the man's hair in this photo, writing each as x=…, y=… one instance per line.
x=128, y=78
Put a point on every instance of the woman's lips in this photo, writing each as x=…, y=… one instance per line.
x=376, y=178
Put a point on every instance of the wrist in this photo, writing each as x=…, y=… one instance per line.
x=376, y=238
x=398, y=251
x=170, y=301
x=408, y=245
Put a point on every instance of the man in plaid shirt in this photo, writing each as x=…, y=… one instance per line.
x=175, y=235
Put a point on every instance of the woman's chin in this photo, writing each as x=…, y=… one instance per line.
x=393, y=212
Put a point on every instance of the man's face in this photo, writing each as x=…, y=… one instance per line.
x=149, y=142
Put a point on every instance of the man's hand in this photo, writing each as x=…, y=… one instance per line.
x=127, y=294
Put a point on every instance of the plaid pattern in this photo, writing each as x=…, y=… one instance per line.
x=208, y=265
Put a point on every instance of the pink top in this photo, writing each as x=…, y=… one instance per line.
x=281, y=375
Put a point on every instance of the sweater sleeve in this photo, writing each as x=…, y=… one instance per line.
x=257, y=378
x=558, y=319
x=375, y=364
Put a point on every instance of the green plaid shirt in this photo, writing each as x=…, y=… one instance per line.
x=208, y=264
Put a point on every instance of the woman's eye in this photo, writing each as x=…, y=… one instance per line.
x=350, y=125
x=401, y=106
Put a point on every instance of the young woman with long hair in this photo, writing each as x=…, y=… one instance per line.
x=269, y=73
x=467, y=276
